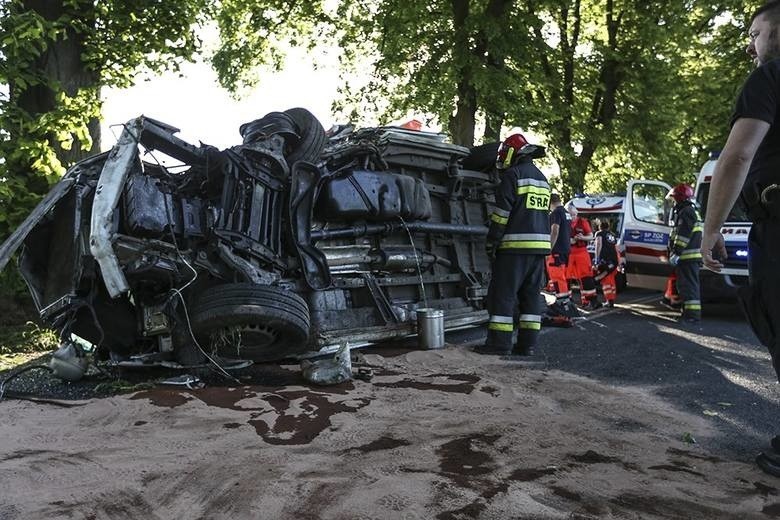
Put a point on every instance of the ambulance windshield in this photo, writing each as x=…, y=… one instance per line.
x=737, y=213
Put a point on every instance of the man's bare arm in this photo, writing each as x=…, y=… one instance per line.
x=598, y=248
x=554, y=230
x=727, y=180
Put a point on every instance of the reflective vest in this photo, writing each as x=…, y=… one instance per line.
x=519, y=223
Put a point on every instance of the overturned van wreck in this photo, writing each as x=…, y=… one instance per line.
x=290, y=242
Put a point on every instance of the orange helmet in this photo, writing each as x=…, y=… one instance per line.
x=513, y=147
x=681, y=193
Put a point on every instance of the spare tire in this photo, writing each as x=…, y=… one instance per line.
x=481, y=158
x=249, y=321
x=312, y=137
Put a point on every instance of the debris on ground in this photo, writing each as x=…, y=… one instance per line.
x=330, y=371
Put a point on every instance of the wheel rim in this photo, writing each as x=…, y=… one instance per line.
x=245, y=341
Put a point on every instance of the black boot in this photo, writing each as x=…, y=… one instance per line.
x=490, y=350
x=522, y=351
x=769, y=463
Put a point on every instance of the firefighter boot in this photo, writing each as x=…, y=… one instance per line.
x=769, y=463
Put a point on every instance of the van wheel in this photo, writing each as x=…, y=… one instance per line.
x=249, y=321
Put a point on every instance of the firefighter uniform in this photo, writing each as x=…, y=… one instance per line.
x=520, y=236
x=685, y=245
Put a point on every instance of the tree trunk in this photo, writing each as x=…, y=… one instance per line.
x=62, y=64
x=493, y=125
x=462, y=122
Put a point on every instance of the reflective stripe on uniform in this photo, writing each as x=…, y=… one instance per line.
x=530, y=325
x=692, y=305
x=501, y=323
x=533, y=182
x=533, y=190
x=690, y=254
x=526, y=237
x=500, y=216
x=525, y=241
x=533, y=187
x=530, y=317
x=525, y=245
x=530, y=321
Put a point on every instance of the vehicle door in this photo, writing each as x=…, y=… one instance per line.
x=646, y=231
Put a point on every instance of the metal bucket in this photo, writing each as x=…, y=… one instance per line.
x=430, y=328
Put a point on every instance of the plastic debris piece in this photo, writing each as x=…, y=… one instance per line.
x=330, y=371
x=187, y=380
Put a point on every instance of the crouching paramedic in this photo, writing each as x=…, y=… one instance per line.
x=518, y=241
x=684, y=251
x=580, y=263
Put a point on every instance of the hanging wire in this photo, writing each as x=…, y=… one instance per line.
x=174, y=290
x=416, y=260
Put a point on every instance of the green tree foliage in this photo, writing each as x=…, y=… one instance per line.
x=619, y=88
x=445, y=58
x=254, y=34
x=56, y=55
x=636, y=89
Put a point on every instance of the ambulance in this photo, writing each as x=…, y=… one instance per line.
x=735, y=234
x=642, y=220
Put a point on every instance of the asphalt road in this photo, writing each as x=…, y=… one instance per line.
x=717, y=369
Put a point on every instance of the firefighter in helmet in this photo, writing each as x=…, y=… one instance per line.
x=684, y=251
x=518, y=241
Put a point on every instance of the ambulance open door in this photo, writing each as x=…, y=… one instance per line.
x=646, y=231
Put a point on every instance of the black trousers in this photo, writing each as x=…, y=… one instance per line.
x=689, y=287
x=514, y=299
x=760, y=300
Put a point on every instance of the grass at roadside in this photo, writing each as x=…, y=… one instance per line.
x=20, y=343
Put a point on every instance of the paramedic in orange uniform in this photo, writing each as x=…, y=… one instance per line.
x=580, y=264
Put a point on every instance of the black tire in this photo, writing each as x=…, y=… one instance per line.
x=313, y=138
x=184, y=349
x=481, y=158
x=272, y=122
x=273, y=322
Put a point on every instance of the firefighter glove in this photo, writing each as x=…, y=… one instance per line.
x=673, y=259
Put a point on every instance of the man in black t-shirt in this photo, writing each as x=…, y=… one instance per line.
x=607, y=261
x=751, y=161
x=560, y=233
